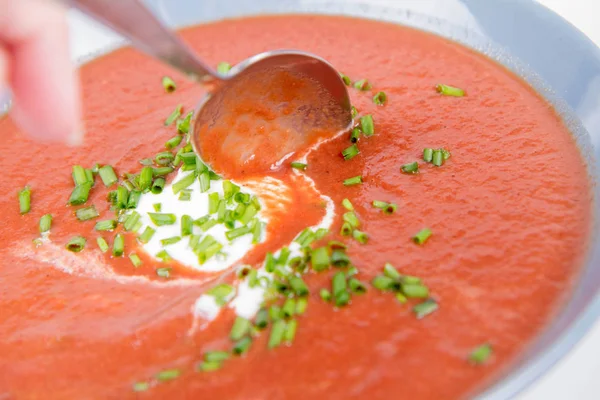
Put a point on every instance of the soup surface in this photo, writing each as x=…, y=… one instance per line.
x=509, y=213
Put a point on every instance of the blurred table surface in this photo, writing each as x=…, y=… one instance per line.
x=577, y=376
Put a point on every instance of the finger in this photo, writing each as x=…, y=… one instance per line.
x=43, y=79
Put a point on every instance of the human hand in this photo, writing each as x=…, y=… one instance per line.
x=35, y=64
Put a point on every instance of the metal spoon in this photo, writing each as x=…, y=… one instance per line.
x=134, y=21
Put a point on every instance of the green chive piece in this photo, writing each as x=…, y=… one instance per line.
x=213, y=203
x=131, y=221
x=390, y=209
x=298, y=286
x=221, y=210
x=289, y=308
x=445, y=153
x=133, y=199
x=351, y=218
x=353, y=112
x=362, y=85
x=346, y=79
x=204, y=179
x=425, y=308
x=168, y=84
x=437, y=158
x=141, y=386
x=229, y=189
x=122, y=197
x=79, y=175
x=391, y=272
x=102, y=244
x=25, y=200
x=183, y=183
x=183, y=125
x=383, y=283
x=238, y=232
x=275, y=312
x=325, y=294
x=290, y=331
x=86, y=213
x=168, y=375
x=347, y=205
x=320, y=259
x=481, y=354
x=357, y=286
x=379, y=204
x=214, y=176
x=242, y=198
x=380, y=98
x=277, y=334
x=350, y=152
x=161, y=171
x=241, y=346
x=164, y=257
x=427, y=154
x=410, y=168
x=208, y=225
x=173, y=142
x=118, y=245
x=223, y=68
x=158, y=185
x=239, y=210
x=449, y=90
x=262, y=318
x=189, y=158
x=342, y=299
x=356, y=180
x=170, y=240
x=299, y=165
x=350, y=272
x=339, y=259
x=415, y=291
x=336, y=245
x=301, y=305
x=174, y=115
x=45, y=223
x=164, y=158
x=221, y=292
x=421, y=237
x=346, y=229
x=185, y=195
x=76, y=244
x=410, y=280
x=241, y=327
x=79, y=195
x=146, y=161
x=249, y=213
x=216, y=356
x=257, y=232
x=209, y=366
x=367, y=126
x=321, y=233
x=160, y=219
x=355, y=135
x=135, y=260
x=108, y=176
x=164, y=272
x=338, y=283
x=187, y=225
x=147, y=235
x=360, y=237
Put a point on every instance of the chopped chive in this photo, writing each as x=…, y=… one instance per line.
x=229, y=189
x=351, y=218
x=249, y=214
x=427, y=154
x=161, y=171
x=321, y=233
x=356, y=180
x=437, y=158
x=45, y=223
x=158, y=185
x=133, y=199
x=367, y=126
x=163, y=256
x=480, y=354
x=213, y=202
x=360, y=237
x=289, y=308
x=241, y=346
x=141, y=386
x=305, y=238
x=164, y=272
x=347, y=205
x=174, y=115
x=421, y=237
x=390, y=209
x=346, y=229
x=118, y=245
x=216, y=356
x=350, y=152
x=183, y=125
x=209, y=366
x=168, y=84
x=336, y=245
x=189, y=158
x=185, y=195
x=135, y=260
x=164, y=158
x=380, y=98
x=131, y=221
x=76, y=244
x=79, y=195
x=241, y=326
x=339, y=259
x=183, y=183
x=270, y=262
x=362, y=85
x=346, y=79
x=415, y=291
x=161, y=219
x=214, y=176
x=351, y=271
x=102, y=244
x=338, y=283
x=277, y=333
x=257, y=232
x=147, y=235
x=275, y=312
x=173, y=142
x=193, y=242
x=301, y=305
x=146, y=161
x=355, y=135
x=207, y=254
x=221, y=292
x=262, y=318
x=383, y=283
x=238, y=232
x=299, y=165
x=79, y=175
x=425, y=308
x=90, y=176
x=170, y=240
x=187, y=225
x=108, y=176
x=242, y=198
x=221, y=210
x=290, y=331
x=391, y=272
x=410, y=280
x=223, y=67
x=325, y=294
x=168, y=375
x=449, y=90
x=239, y=210
x=146, y=178
x=357, y=286
x=86, y=213
x=208, y=224
x=445, y=153
x=342, y=299
x=410, y=168
x=128, y=185
x=353, y=112
x=122, y=197
x=204, y=179
x=379, y=204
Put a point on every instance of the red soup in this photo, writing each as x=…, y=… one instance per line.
x=418, y=266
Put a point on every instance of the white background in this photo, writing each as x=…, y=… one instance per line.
x=577, y=376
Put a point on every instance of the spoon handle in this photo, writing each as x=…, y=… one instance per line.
x=135, y=22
